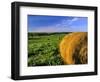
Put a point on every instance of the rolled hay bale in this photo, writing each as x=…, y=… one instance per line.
x=73, y=48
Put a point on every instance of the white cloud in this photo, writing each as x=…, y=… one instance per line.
x=73, y=20
x=66, y=23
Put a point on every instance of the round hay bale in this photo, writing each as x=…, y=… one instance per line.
x=73, y=48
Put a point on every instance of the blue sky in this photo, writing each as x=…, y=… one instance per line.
x=40, y=23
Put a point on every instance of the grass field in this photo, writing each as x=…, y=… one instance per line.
x=43, y=49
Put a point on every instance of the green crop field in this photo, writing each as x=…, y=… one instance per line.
x=43, y=49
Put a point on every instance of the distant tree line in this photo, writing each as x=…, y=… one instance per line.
x=46, y=34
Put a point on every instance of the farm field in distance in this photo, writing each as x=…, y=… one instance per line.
x=43, y=49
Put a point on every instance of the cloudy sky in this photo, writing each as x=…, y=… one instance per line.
x=39, y=23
